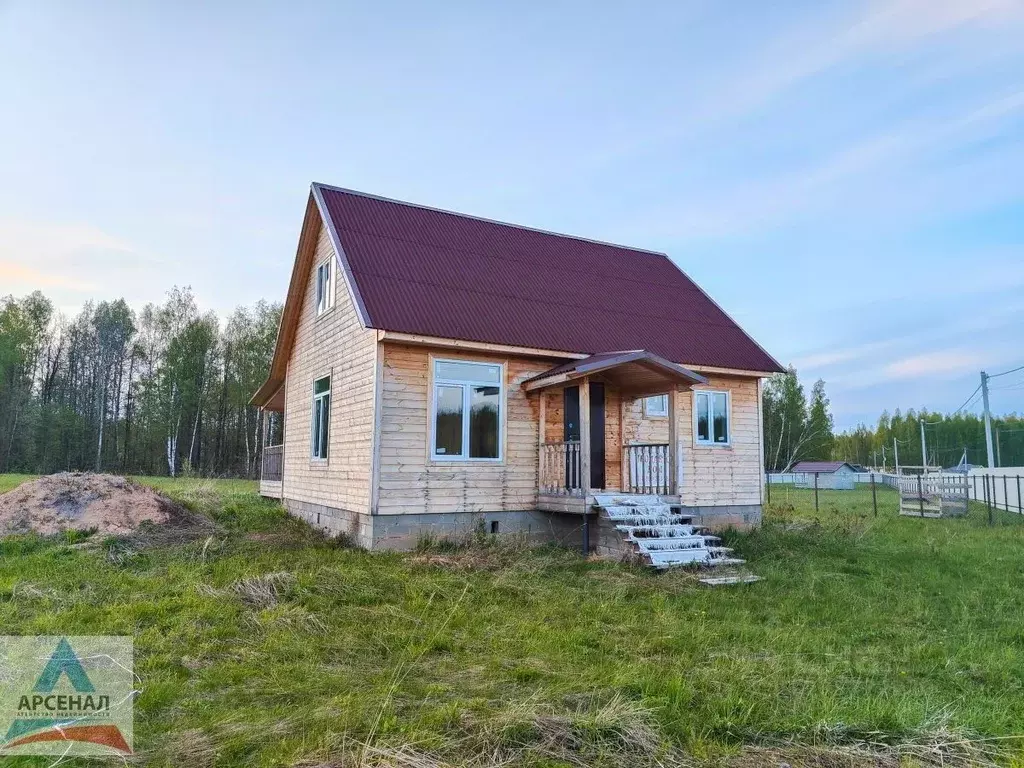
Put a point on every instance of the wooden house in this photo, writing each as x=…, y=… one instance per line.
x=438, y=372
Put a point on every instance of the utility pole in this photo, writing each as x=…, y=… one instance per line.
x=896, y=453
x=988, y=420
x=924, y=451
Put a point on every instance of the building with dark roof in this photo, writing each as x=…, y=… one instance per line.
x=434, y=370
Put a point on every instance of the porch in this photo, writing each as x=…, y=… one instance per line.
x=590, y=404
x=272, y=461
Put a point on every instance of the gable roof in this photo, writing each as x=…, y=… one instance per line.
x=823, y=467
x=430, y=272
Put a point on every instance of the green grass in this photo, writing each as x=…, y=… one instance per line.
x=8, y=482
x=270, y=645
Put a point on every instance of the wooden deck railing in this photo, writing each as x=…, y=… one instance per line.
x=560, y=469
x=272, y=459
x=646, y=465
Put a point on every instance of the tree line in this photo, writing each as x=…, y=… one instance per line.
x=160, y=391
x=800, y=428
x=947, y=437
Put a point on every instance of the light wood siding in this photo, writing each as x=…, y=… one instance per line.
x=333, y=344
x=411, y=482
x=719, y=475
x=712, y=475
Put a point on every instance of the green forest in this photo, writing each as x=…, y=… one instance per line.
x=165, y=391
x=162, y=391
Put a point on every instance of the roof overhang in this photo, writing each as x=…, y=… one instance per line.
x=270, y=396
x=636, y=372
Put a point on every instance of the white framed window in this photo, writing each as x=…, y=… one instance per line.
x=711, y=417
x=324, y=286
x=466, y=410
x=656, y=405
x=321, y=421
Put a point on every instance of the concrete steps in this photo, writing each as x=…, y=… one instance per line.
x=664, y=535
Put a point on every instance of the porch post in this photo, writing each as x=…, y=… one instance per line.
x=673, y=444
x=585, y=458
x=541, y=428
x=585, y=436
x=263, y=438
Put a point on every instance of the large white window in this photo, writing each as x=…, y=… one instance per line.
x=324, y=287
x=711, y=417
x=467, y=407
x=321, y=423
x=656, y=405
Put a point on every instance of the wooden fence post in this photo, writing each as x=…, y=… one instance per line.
x=815, y=492
x=920, y=495
x=768, y=485
x=874, y=494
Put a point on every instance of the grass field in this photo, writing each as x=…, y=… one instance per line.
x=270, y=645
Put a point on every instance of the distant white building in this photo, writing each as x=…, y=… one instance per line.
x=833, y=475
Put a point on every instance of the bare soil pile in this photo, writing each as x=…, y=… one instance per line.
x=84, y=501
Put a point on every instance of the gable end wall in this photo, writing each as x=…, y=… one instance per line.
x=334, y=343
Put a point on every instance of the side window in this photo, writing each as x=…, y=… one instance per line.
x=711, y=417
x=321, y=421
x=656, y=405
x=324, y=287
x=467, y=406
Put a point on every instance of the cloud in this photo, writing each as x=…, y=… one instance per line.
x=875, y=162
x=18, y=273
x=23, y=241
x=37, y=254
x=943, y=363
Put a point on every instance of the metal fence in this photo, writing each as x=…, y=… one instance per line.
x=998, y=489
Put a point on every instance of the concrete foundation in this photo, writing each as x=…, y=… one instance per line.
x=404, y=532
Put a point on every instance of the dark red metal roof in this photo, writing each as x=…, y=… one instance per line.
x=430, y=272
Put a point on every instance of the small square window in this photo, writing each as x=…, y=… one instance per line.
x=656, y=406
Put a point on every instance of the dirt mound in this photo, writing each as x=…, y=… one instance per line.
x=83, y=501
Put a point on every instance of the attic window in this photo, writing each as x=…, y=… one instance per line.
x=324, y=287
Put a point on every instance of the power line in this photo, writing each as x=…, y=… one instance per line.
x=967, y=401
x=1011, y=371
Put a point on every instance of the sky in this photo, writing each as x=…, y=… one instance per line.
x=845, y=178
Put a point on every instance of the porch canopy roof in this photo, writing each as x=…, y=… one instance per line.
x=271, y=395
x=634, y=372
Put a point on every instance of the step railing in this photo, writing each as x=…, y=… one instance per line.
x=560, y=469
x=646, y=465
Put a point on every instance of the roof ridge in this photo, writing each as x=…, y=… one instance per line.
x=371, y=196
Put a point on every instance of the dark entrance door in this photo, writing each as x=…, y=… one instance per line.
x=571, y=419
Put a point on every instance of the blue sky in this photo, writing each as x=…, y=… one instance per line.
x=845, y=178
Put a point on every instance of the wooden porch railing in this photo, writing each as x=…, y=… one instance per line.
x=560, y=469
x=272, y=459
x=646, y=465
